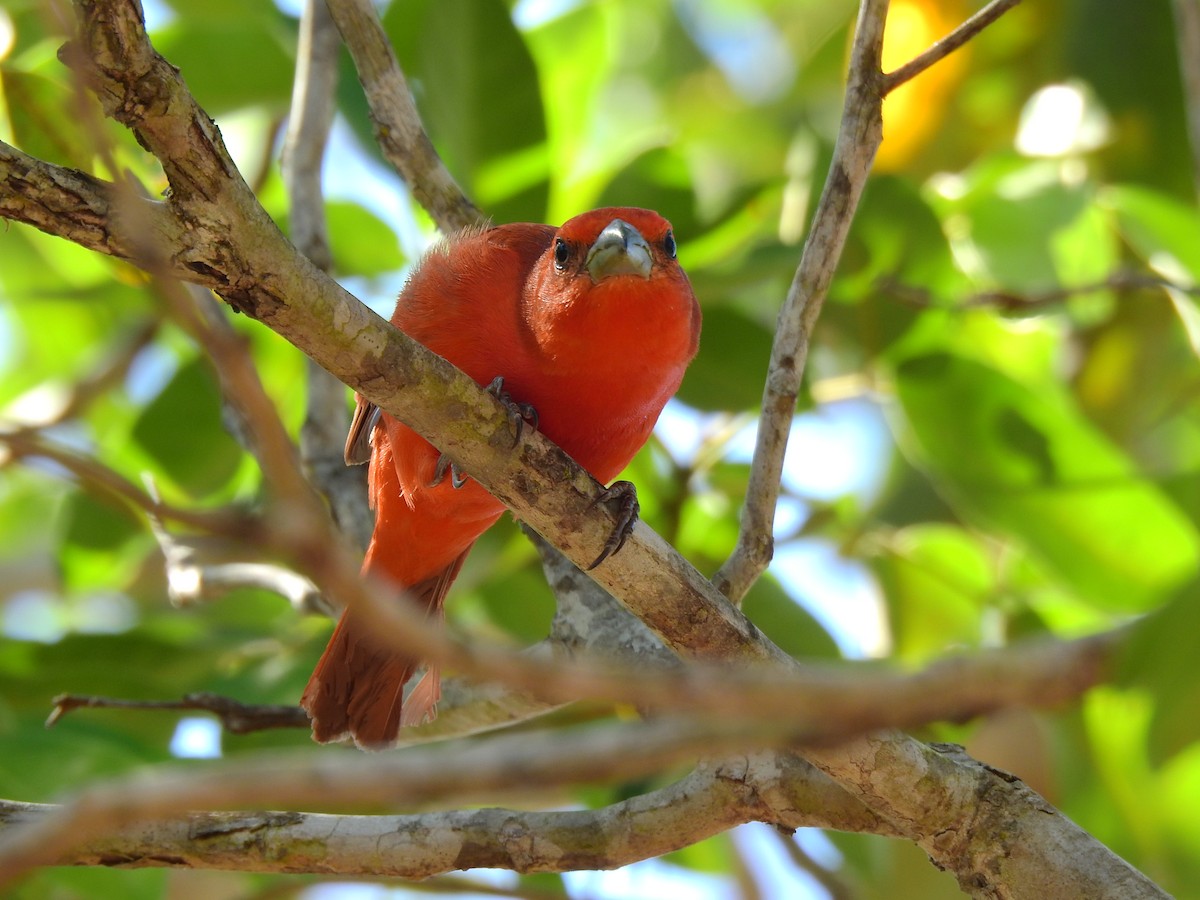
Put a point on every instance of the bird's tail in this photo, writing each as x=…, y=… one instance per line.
x=357, y=688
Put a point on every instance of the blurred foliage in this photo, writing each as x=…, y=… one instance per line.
x=998, y=304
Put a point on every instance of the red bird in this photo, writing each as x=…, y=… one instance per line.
x=590, y=327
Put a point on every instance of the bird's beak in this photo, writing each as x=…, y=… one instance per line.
x=620, y=250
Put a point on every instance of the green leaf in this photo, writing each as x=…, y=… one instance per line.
x=1161, y=230
x=97, y=524
x=362, y=243
x=728, y=370
x=181, y=429
x=198, y=45
x=65, y=140
x=1161, y=659
x=476, y=85
x=1026, y=463
x=897, y=236
x=786, y=622
x=937, y=580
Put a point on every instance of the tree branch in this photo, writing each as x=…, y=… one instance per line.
x=817, y=705
x=397, y=123
x=235, y=717
x=326, y=416
x=467, y=773
x=232, y=247
x=858, y=138
x=947, y=45
x=714, y=797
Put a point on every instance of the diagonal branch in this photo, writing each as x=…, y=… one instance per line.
x=858, y=139
x=397, y=123
x=947, y=45
x=228, y=243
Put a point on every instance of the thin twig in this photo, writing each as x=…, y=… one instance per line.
x=858, y=140
x=397, y=123
x=30, y=444
x=236, y=717
x=947, y=45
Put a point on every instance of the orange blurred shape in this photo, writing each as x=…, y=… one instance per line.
x=914, y=111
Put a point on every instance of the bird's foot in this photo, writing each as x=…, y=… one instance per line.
x=625, y=495
x=519, y=414
x=457, y=478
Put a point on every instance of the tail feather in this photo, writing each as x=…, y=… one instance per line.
x=357, y=688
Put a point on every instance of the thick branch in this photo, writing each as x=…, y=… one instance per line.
x=465, y=774
x=711, y=799
x=233, y=248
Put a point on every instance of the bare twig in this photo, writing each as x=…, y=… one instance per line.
x=947, y=45
x=858, y=140
x=236, y=717
x=397, y=123
x=859, y=137
x=29, y=444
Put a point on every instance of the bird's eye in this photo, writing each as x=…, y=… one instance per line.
x=669, y=245
x=562, y=253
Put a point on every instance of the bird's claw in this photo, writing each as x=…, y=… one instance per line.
x=518, y=414
x=625, y=495
x=457, y=478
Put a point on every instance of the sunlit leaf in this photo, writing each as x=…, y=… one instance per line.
x=937, y=580
x=1024, y=462
x=193, y=46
